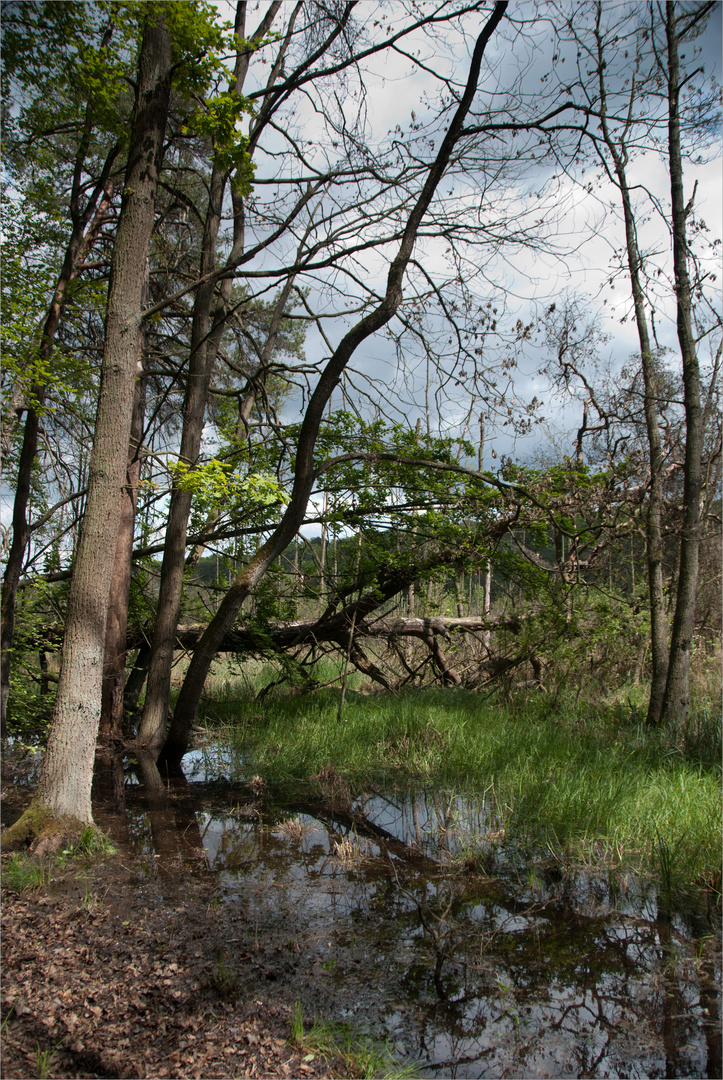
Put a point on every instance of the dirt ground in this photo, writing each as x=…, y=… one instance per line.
x=108, y=971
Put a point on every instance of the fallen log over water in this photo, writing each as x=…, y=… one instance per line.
x=331, y=813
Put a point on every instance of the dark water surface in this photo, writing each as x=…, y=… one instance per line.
x=410, y=916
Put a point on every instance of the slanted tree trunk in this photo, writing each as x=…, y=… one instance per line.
x=137, y=678
x=676, y=701
x=64, y=789
x=246, y=582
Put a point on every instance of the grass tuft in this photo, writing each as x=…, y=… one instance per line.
x=21, y=873
x=44, y=1062
x=93, y=843
x=224, y=978
x=337, y=1042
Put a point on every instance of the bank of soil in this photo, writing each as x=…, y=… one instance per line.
x=110, y=979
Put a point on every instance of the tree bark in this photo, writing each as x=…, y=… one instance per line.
x=138, y=674
x=676, y=701
x=658, y=622
x=244, y=584
x=78, y=246
x=114, y=665
x=65, y=784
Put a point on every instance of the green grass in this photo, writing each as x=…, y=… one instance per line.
x=44, y=1062
x=595, y=783
x=91, y=843
x=337, y=1042
x=226, y=685
x=21, y=873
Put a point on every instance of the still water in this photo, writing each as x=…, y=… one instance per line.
x=411, y=916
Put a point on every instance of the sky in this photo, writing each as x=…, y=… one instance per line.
x=583, y=227
x=587, y=224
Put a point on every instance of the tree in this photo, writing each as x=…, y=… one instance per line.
x=329, y=45
x=629, y=96
x=259, y=232
x=207, y=329
x=65, y=784
x=69, y=123
x=187, y=704
x=114, y=653
x=672, y=702
x=679, y=27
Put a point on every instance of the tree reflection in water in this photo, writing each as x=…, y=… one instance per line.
x=524, y=970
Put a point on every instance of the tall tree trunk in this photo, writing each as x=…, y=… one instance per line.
x=677, y=690
x=323, y=599
x=65, y=783
x=21, y=535
x=77, y=249
x=204, y=348
x=486, y=574
x=153, y=724
x=114, y=665
x=245, y=583
x=658, y=622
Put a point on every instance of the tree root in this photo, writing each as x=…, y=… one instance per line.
x=41, y=831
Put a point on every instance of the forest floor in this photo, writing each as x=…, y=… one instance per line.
x=106, y=973
x=132, y=988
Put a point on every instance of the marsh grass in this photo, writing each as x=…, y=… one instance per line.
x=350, y=851
x=230, y=691
x=592, y=782
x=294, y=829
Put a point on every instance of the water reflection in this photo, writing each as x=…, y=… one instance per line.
x=151, y=818
x=413, y=916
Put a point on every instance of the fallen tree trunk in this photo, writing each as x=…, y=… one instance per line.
x=248, y=639
x=287, y=635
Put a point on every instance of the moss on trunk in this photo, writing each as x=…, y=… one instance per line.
x=42, y=830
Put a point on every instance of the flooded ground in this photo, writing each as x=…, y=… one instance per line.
x=410, y=916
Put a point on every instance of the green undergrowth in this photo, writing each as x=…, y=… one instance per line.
x=594, y=782
x=22, y=871
x=227, y=684
x=337, y=1042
